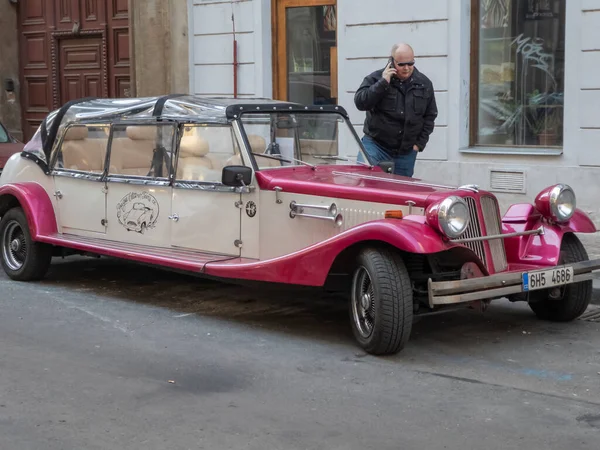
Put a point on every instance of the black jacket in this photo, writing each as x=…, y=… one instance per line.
x=398, y=117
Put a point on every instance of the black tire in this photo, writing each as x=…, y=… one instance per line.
x=381, y=321
x=22, y=258
x=575, y=297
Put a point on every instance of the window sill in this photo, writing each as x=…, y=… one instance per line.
x=519, y=151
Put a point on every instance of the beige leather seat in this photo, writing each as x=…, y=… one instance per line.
x=81, y=153
x=193, y=163
x=132, y=155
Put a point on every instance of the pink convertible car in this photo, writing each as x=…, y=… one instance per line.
x=279, y=192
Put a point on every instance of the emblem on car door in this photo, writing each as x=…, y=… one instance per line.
x=251, y=209
x=138, y=211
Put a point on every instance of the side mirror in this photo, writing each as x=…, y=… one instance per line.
x=236, y=176
x=387, y=166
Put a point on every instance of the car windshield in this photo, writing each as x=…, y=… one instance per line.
x=283, y=139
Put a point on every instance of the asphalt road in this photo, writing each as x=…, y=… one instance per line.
x=108, y=355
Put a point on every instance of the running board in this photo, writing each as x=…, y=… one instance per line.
x=173, y=257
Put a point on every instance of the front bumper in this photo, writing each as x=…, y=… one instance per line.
x=495, y=286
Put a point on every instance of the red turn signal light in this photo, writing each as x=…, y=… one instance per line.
x=393, y=214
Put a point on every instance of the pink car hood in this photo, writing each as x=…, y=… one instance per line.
x=355, y=183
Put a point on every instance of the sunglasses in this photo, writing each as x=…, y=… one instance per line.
x=402, y=64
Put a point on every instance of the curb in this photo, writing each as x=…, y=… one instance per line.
x=596, y=289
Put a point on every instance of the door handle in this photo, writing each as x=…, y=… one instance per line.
x=174, y=217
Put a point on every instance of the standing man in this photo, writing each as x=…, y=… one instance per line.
x=401, y=111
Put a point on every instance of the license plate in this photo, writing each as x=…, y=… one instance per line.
x=543, y=279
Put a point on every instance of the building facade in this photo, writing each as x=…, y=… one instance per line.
x=516, y=80
x=60, y=50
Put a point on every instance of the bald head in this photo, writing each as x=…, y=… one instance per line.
x=403, y=53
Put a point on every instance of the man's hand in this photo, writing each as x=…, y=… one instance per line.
x=389, y=71
x=416, y=148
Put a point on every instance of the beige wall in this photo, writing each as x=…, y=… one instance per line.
x=10, y=109
x=160, y=47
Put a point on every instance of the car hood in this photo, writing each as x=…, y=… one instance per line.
x=7, y=150
x=354, y=183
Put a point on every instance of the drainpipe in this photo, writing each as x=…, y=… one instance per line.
x=235, y=56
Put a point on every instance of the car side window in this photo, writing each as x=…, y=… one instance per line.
x=204, y=151
x=141, y=150
x=3, y=135
x=83, y=148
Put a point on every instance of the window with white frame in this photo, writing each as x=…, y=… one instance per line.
x=518, y=62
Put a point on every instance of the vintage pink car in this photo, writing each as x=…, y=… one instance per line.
x=278, y=192
x=8, y=146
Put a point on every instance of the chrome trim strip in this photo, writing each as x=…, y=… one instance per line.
x=393, y=180
x=77, y=174
x=210, y=187
x=539, y=231
x=492, y=221
x=473, y=231
x=142, y=181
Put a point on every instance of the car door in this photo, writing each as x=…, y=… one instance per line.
x=78, y=167
x=206, y=215
x=138, y=198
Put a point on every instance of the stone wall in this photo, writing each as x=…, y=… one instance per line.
x=160, y=47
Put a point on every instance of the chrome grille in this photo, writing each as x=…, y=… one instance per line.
x=491, y=219
x=474, y=230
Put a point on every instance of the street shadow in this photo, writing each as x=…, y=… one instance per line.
x=306, y=312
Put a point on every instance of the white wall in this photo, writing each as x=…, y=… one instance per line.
x=211, y=47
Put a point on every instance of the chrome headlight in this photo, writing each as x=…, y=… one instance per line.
x=453, y=217
x=562, y=202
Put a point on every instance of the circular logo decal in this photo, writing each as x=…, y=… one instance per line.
x=251, y=209
x=138, y=211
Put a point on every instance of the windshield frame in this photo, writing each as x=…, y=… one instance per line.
x=314, y=110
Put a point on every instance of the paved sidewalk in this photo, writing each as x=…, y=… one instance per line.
x=592, y=245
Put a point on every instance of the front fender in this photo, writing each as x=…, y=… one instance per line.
x=36, y=204
x=310, y=266
x=543, y=250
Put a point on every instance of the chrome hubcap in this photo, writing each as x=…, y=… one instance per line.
x=363, y=302
x=14, y=247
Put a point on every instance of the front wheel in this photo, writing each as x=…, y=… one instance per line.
x=570, y=301
x=381, y=303
x=23, y=259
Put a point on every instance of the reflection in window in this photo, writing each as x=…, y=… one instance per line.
x=521, y=73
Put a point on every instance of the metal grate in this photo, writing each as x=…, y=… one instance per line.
x=354, y=217
x=491, y=219
x=591, y=315
x=474, y=230
x=507, y=181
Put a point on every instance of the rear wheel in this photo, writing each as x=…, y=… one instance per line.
x=381, y=303
x=570, y=301
x=22, y=258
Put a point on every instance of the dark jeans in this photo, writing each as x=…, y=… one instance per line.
x=403, y=164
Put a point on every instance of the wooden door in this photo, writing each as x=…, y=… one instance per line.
x=80, y=68
x=305, y=50
x=58, y=39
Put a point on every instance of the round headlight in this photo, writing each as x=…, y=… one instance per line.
x=453, y=216
x=562, y=202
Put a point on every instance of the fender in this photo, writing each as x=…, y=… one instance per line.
x=36, y=204
x=541, y=250
x=310, y=266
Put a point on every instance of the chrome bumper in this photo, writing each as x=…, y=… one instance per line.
x=495, y=286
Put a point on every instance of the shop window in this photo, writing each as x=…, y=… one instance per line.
x=518, y=73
